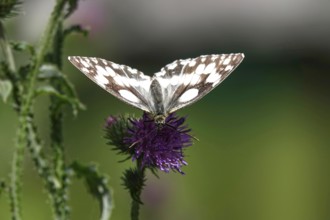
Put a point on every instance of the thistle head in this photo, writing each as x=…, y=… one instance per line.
x=154, y=146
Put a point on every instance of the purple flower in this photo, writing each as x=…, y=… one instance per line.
x=159, y=145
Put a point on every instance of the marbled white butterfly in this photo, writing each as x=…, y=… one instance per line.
x=177, y=85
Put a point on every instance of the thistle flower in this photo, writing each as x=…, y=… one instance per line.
x=159, y=146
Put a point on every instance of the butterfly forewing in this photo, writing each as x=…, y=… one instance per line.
x=124, y=82
x=186, y=81
x=177, y=85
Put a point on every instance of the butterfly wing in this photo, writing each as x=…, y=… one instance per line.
x=186, y=81
x=124, y=82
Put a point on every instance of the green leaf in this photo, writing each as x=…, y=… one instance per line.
x=48, y=71
x=97, y=186
x=51, y=71
x=50, y=90
x=73, y=5
x=22, y=46
x=75, y=29
x=9, y=8
x=5, y=89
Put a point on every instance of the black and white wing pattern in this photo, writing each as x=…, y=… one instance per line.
x=124, y=82
x=183, y=82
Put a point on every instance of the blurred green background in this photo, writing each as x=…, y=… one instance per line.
x=264, y=133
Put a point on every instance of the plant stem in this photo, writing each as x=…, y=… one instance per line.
x=136, y=192
x=45, y=42
x=135, y=210
x=24, y=112
x=17, y=162
x=15, y=180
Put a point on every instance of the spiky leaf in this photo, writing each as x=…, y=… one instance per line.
x=97, y=186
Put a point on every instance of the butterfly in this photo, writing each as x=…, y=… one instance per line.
x=175, y=86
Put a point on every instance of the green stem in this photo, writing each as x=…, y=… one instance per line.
x=45, y=42
x=16, y=173
x=135, y=210
x=24, y=113
x=17, y=162
x=136, y=192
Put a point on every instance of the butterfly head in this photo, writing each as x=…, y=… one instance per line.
x=159, y=119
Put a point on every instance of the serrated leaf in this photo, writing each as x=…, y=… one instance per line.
x=73, y=5
x=98, y=187
x=48, y=71
x=5, y=89
x=75, y=29
x=9, y=8
x=50, y=90
x=23, y=46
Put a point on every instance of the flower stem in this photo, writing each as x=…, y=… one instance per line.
x=134, y=180
x=135, y=210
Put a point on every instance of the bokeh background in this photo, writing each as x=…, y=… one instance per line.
x=264, y=133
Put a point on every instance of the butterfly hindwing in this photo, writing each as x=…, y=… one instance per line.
x=124, y=82
x=186, y=81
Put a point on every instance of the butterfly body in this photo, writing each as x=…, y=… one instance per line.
x=175, y=86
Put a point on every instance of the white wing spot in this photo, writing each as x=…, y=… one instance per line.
x=110, y=71
x=213, y=77
x=209, y=68
x=229, y=67
x=187, y=78
x=192, y=63
x=115, y=65
x=172, y=66
x=128, y=95
x=188, y=95
x=85, y=70
x=195, y=79
x=214, y=57
x=161, y=73
x=134, y=82
x=163, y=82
x=118, y=80
x=145, y=77
x=203, y=59
x=101, y=80
x=145, y=84
x=216, y=82
x=133, y=71
x=200, y=69
x=101, y=71
x=94, y=60
x=226, y=61
x=184, y=62
x=84, y=63
x=174, y=80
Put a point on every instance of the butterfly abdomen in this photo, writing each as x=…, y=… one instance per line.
x=157, y=97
